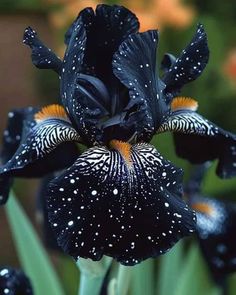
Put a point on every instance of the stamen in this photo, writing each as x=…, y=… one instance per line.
x=51, y=111
x=184, y=103
x=124, y=148
x=202, y=208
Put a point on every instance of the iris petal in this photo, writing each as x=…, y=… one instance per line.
x=106, y=28
x=42, y=56
x=216, y=233
x=189, y=65
x=92, y=40
x=13, y=281
x=47, y=233
x=72, y=93
x=11, y=141
x=167, y=62
x=42, y=144
x=122, y=204
x=199, y=140
x=135, y=65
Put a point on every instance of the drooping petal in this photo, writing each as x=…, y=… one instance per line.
x=14, y=281
x=199, y=140
x=216, y=222
x=49, y=237
x=193, y=185
x=44, y=147
x=135, y=65
x=42, y=56
x=11, y=140
x=189, y=65
x=124, y=202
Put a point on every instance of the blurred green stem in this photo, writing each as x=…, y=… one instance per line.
x=143, y=281
x=90, y=285
x=92, y=275
x=123, y=280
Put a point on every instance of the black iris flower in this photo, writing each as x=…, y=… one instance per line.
x=14, y=282
x=119, y=198
x=216, y=225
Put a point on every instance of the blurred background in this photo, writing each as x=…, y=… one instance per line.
x=21, y=84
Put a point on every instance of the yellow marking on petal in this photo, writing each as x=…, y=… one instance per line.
x=202, y=208
x=124, y=148
x=184, y=103
x=51, y=111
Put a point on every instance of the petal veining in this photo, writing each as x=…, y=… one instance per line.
x=103, y=205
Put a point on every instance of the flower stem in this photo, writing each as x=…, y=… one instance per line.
x=90, y=285
x=92, y=275
x=123, y=280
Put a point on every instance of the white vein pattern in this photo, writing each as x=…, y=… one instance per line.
x=41, y=140
x=188, y=123
x=106, y=205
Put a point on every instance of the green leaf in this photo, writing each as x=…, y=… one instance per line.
x=193, y=277
x=170, y=264
x=32, y=255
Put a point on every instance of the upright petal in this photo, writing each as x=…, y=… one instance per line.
x=106, y=28
x=43, y=145
x=167, y=62
x=135, y=65
x=124, y=202
x=92, y=40
x=199, y=140
x=78, y=94
x=42, y=56
x=189, y=65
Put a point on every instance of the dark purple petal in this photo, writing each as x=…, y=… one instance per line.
x=135, y=65
x=189, y=65
x=127, y=206
x=17, y=119
x=44, y=148
x=167, y=62
x=216, y=233
x=199, y=140
x=14, y=282
x=42, y=56
x=49, y=237
x=92, y=40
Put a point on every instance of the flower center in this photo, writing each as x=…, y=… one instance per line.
x=203, y=208
x=124, y=148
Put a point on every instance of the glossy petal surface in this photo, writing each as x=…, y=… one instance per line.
x=189, y=65
x=135, y=65
x=199, y=140
x=48, y=236
x=12, y=136
x=128, y=207
x=92, y=40
x=42, y=56
x=37, y=153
